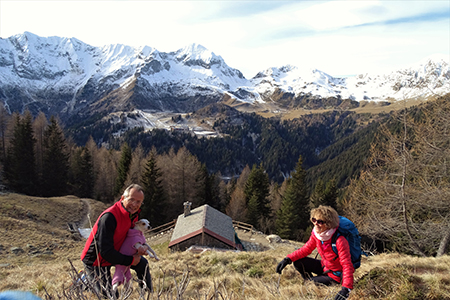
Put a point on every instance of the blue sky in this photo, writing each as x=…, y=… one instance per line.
x=337, y=37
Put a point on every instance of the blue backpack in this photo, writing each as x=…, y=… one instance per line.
x=348, y=229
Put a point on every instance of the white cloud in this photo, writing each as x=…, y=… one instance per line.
x=329, y=15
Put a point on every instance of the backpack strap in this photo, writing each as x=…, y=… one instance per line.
x=333, y=243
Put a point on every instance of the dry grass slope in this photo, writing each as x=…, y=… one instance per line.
x=38, y=226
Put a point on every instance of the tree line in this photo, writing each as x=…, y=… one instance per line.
x=38, y=159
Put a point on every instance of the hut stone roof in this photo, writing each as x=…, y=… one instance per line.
x=204, y=219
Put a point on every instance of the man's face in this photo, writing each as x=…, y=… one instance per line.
x=133, y=201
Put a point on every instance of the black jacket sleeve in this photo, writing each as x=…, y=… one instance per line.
x=105, y=236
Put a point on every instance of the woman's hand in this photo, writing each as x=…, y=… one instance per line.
x=342, y=294
x=282, y=264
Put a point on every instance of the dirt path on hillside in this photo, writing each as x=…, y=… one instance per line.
x=84, y=222
x=90, y=212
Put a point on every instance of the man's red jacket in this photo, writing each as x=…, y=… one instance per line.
x=107, y=237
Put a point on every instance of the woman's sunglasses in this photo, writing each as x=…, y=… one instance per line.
x=320, y=222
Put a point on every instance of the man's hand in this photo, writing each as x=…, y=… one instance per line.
x=342, y=294
x=282, y=264
x=136, y=259
x=141, y=249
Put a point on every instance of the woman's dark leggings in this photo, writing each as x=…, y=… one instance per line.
x=306, y=266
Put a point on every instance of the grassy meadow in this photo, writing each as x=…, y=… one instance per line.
x=37, y=252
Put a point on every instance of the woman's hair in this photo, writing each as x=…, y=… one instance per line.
x=326, y=214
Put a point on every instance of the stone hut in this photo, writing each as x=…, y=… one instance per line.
x=204, y=226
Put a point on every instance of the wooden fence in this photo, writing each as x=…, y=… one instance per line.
x=170, y=225
x=163, y=227
x=243, y=225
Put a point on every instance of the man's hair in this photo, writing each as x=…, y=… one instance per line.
x=327, y=214
x=135, y=186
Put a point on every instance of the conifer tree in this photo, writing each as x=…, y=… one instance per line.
x=295, y=197
x=253, y=213
x=82, y=173
x=123, y=168
x=299, y=188
x=55, y=161
x=256, y=193
x=209, y=193
x=4, y=119
x=204, y=193
x=40, y=124
x=20, y=165
x=324, y=194
x=331, y=194
x=155, y=200
x=224, y=195
x=284, y=224
x=317, y=197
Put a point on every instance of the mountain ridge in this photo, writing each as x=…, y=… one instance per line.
x=66, y=77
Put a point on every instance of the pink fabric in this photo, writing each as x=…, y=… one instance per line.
x=324, y=235
x=123, y=273
x=341, y=264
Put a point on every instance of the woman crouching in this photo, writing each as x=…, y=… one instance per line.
x=332, y=268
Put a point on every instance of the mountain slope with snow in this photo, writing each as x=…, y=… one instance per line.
x=61, y=75
x=430, y=77
x=67, y=77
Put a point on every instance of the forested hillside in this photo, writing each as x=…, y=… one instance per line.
x=343, y=160
x=261, y=170
x=249, y=139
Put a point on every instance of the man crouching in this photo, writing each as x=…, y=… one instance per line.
x=107, y=236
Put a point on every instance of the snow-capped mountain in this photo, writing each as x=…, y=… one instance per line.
x=429, y=77
x=67, y=77
x=62, y=75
